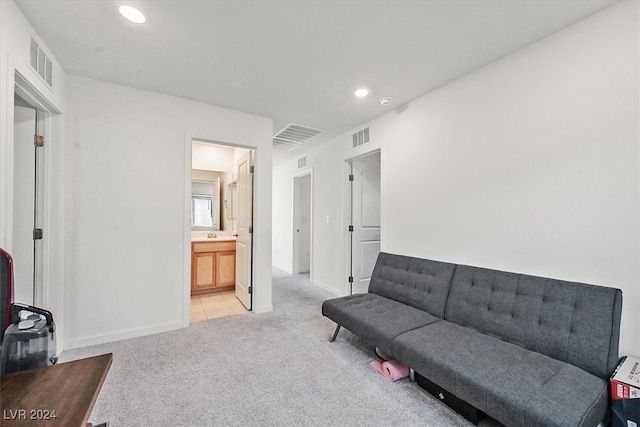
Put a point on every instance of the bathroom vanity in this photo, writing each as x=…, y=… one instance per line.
x=213, y=264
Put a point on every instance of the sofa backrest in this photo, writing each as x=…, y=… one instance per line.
x=572, y=322
x=421, y=283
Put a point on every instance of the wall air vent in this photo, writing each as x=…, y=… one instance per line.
x=41, y=63
x=292, y=136
x=361, y=137
x=302, y=162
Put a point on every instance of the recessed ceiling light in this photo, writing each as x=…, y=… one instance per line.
x=132, y=14
x=385, y=101
x=360, y=93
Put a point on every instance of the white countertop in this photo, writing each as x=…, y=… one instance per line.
x=213, y=239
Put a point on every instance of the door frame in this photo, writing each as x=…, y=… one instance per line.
x=186, y=261
x=50, y=295
x=348, y=213
x=311, y=228
x=47, y=116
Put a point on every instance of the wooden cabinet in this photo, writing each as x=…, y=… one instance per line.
x=213, y=266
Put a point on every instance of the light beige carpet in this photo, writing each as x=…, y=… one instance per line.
x=272, y=369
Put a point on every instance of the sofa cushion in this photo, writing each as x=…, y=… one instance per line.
x=376, y=319
x=420, y=283
x=513, y=385
x=568, y=321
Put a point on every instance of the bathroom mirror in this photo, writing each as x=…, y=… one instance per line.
x=205, y=204
x=232, y=200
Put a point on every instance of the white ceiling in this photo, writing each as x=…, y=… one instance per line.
x=295, y=61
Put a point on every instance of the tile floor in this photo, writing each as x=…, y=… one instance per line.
x=219, y=304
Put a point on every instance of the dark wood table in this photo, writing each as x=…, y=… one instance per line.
x=56, y=395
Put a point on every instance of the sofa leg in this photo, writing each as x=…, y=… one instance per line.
x=335, y=334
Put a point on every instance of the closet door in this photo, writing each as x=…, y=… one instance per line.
x=26, y=247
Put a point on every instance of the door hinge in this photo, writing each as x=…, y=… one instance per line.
x=38, y=140
x=351, y=228
x=37, y=234
x=350, y=279
x=251, y=169
x=250, y=289
x=250, y=229
x=351, y=177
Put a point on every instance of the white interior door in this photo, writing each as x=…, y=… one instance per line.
x=24, y=204
x=302, y=224
x=38, y=220
x=244, y=243
x=365, y=219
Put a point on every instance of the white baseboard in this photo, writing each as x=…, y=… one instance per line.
x=327, y=288
x=263, y=309
x=121, y=335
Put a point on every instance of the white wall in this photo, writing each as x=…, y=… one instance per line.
x=212, y=157
x=127, y=242
x=530, y=164
x=282, y=251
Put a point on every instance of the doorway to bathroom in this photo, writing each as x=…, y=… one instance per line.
x=221, y=227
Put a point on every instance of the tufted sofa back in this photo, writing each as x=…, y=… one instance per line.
x=421, y=283
x=568, y=321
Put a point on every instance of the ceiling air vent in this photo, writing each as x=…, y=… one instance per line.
x=41, y=63
x=302, y=162
x=361, y=137
x=292, y=136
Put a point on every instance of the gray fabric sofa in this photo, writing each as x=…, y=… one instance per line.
x=526, y=350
